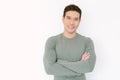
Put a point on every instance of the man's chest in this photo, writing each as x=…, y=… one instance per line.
x=71, y=51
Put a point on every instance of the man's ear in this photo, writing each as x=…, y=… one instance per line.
x=79, y=20
x=63, y=19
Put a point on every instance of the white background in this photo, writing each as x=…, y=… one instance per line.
x=26, y=24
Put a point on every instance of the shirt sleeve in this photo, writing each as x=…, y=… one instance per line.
x=50, y=61
x=82, y=66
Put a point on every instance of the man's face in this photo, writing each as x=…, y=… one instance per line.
x=71, y=21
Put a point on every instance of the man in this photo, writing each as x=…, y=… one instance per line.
x=69, y=55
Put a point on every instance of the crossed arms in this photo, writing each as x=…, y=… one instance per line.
x=54, y=66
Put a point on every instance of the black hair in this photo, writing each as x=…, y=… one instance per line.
x=72, y=7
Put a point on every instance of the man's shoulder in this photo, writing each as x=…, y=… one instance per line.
x=84, y=37
x=53, y=38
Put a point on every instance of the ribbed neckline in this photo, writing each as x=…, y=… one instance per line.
x=62, y=34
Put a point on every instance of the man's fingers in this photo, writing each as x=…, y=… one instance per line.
x=85, y=56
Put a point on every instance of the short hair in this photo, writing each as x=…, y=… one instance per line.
x=72, y=7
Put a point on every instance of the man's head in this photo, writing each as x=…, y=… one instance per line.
x=72, y=7
x=71, y=18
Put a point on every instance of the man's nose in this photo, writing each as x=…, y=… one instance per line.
x=71, y=21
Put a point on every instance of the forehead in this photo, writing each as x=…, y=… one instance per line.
x=72, y=14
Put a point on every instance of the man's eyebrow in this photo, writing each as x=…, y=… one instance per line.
x=70, y=17
x=67, y=16
x=76, y=18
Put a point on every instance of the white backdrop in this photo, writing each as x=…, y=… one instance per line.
x=26, y=24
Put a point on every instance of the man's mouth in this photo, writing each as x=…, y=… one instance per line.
x=71, y=27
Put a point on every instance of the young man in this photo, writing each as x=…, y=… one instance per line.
x=69, y=55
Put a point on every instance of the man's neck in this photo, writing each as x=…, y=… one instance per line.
x=69, y=35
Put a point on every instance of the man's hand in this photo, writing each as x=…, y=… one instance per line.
x=85, y=56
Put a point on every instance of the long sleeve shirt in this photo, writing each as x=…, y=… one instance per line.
x=62, y=57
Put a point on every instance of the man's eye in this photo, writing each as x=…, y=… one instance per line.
x=76, y=19
x=68, y=17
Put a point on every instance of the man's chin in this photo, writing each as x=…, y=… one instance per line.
x=71, y=32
